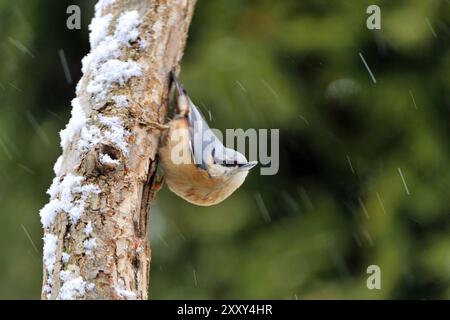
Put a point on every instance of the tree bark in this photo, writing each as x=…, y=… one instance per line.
x=95, y=225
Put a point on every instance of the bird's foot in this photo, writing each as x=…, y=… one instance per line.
x=157, y=185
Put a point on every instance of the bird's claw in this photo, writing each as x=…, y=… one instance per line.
x=157, y=185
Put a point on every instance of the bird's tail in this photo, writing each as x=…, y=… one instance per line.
x=182, y=97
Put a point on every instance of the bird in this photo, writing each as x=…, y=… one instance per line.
x=196, y=165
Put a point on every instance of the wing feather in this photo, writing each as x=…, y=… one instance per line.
x=202, y=138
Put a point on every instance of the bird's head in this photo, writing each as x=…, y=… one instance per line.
x=227, y=162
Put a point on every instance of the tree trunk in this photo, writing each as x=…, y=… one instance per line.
x=95, y=225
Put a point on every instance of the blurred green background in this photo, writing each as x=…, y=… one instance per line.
x=338, y=203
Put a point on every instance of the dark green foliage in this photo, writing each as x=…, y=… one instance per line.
x=264, y=64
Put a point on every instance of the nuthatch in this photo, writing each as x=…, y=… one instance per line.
x=197, y=166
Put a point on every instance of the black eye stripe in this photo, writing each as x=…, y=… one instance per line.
x=230, y=164
x=225, y=163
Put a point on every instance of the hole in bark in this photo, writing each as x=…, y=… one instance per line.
x=107, y=158
x=112, y=152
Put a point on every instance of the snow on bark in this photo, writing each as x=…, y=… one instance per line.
x=106, y=159
x=121, y=101
x=58, y=165
x=76, y=122
x=114, y=133
x=72, y=198
x=89, y=245
x=127, y=27
x=124, y=293
x=88, y=229
x=112, y=72
x=50, y=243
x=95, y=224
x=65, y=257
x=101, y=6
x=99, y=29
x=73, y=286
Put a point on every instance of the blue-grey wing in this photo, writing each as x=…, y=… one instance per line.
x=202, y=138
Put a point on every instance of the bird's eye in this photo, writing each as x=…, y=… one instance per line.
x=230, y=164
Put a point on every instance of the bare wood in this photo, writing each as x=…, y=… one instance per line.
x=118, y=265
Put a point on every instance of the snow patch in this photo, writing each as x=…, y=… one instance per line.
x=106, y=159
x=127, y=27
x=71, y=187
x=76, y=122
x=90, y=136
x=65, y=257
x=54, y=188
x=49, y=211
x=112, y=72
x=68, y=189
x=99, y=28
x=103, y=61
x=89, y=245
x=143, y=44
x=117, y=134
x=88, y=229
x=114, y=133
x=101, y=6
x=79, y=85
x=49, y=253
x=106, y=50
x=72, y=288
x=58, y=165
x=110, y=122
x=64, y=275
x=121, y=101
x=123, y=293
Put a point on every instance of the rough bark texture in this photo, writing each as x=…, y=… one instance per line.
x=116, y=264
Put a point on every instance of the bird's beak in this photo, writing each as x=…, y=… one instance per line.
x=247, y=166
x=178, y=86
